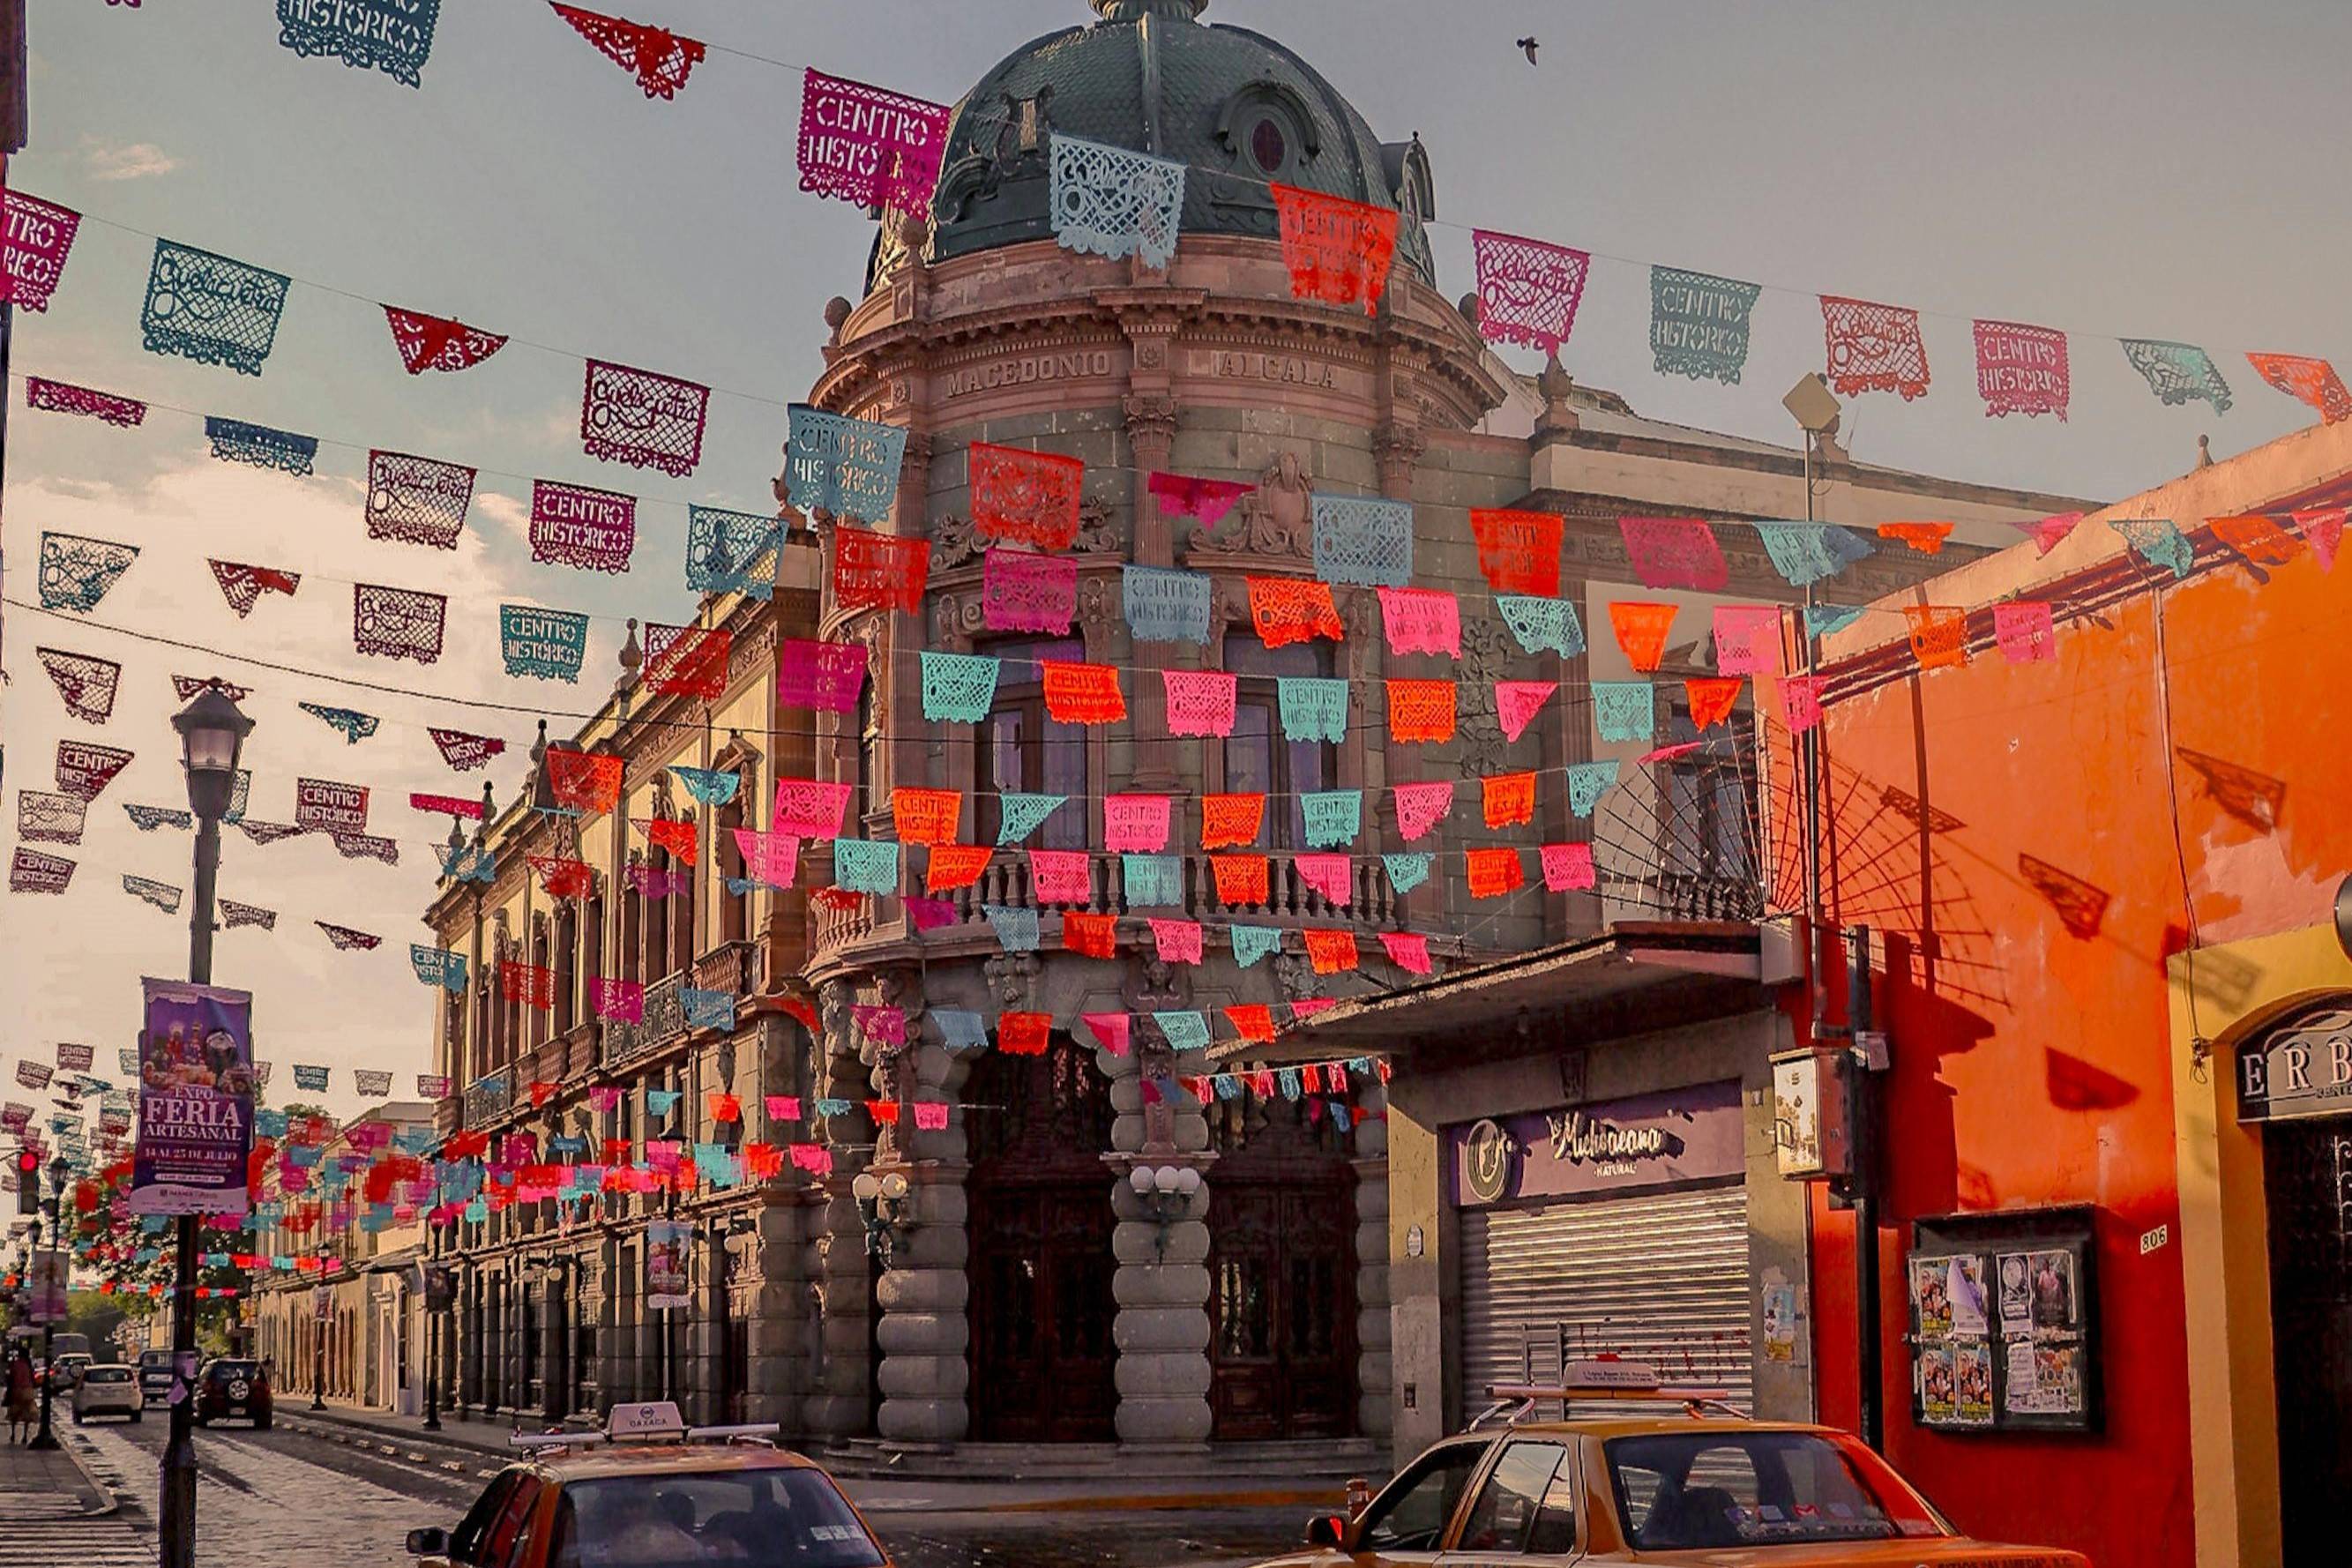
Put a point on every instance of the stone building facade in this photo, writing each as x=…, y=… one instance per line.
x=1029, y=1294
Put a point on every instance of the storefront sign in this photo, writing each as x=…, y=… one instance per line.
x=195, y=1101
x=1653, y=1140
x=2302, y=1067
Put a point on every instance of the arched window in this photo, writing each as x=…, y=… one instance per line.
x=1257, y=755
x=538, y=1016
x=510, y=1024
x=632, y=921
x=681, y=921
x=657, y=916
x=591, y=939
x=1022, y=750
x=566, y=962
x=734, y=909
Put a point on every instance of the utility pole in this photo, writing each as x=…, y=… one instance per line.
x=13, y=127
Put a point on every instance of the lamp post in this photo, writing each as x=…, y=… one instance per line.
x=211, y=733
x=54, y=1210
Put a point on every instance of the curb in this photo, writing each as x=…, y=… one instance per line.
x=1140, y=1502
x=72, y=1446
x=358, y=1433
x=418, y=1448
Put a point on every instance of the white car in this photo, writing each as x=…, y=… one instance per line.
x=107, y=1390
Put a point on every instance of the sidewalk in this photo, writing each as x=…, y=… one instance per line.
x=49, y=1484
x=485, y=1441
x=53, y=1512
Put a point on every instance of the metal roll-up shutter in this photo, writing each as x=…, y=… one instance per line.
x=1659, y=1277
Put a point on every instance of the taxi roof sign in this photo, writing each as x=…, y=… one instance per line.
x=651, y=1418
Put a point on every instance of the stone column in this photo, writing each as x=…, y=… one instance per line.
x=924, y=1333
x=1162, y=1285
x=1375, y=1413
x=554, y=1346
x=780, y=1370
x=612, y=1357
x=837, y=1405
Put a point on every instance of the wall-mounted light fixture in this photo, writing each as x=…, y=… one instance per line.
x=885, y=1206
x=1165, y=1192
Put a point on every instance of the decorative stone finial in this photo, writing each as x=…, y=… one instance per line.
x=631, y=656
x=2204, y=451
x=538, y=747
x=1555, y=384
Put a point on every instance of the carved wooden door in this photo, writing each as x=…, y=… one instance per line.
x=1042, y=1357
x=1282, y=1284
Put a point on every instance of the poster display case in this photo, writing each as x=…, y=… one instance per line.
x=2005, y=1321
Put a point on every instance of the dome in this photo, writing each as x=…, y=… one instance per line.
x=1237, y=108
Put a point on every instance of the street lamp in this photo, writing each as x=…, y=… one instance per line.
x=54, y=1210
x=212, y=732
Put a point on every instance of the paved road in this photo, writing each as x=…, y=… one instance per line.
x=282, y=1495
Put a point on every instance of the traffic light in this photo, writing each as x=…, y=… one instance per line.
x=28, y=1181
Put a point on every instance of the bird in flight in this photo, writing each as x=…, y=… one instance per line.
x=1527, y=46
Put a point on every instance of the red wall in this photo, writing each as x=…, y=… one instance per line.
x=2028, y=903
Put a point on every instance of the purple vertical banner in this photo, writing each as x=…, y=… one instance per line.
x=195, y=1101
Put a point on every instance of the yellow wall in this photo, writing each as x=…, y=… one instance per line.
x=2224, y=1241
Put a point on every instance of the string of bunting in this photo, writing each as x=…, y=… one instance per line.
x=879, y=148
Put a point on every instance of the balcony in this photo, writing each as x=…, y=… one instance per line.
x=1372, y=904
x=664, y=1021
x=488, y=1099
x=732, y=967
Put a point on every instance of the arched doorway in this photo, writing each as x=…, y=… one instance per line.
x=1282, y=1273
x=1040, y=1225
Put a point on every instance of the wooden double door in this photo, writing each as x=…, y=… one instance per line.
x=1043, y=1362
x=1282, y=1282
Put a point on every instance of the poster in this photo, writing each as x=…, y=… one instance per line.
x=2050, y=1277
x=1938, y=1393
x=666, y=1254
x=1931, y=1297
x=2016, y=1294
x=48, y=1303
x=440, y=1287
x=1780, y=1323
x=195, y=1101
x=1972, y=1380
x=2044, y=1377
x=1963, y=1289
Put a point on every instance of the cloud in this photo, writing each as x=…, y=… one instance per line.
x=80, y=955
x=137, y=161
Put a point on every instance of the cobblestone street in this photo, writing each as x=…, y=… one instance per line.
x=290, y=1495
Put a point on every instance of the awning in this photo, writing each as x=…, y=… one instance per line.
x=1634, y=977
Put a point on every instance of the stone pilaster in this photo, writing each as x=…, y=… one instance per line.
x=1152, y=433
x=924, y=1333
x=615, y=1361
x=1162, y=1285
x=1375, y=1414
x=782, y=1307
x=837, y=1262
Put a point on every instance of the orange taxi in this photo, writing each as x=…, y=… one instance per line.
x=649, y=1492
x=1695, y=1489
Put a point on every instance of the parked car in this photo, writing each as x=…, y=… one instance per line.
x=65, y=1370
x=154, y=1376
x=107, y=1388
x=648, y=1491
x=229, y=1390
x=1691, y=1489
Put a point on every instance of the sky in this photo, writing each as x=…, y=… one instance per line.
x=2152, y=169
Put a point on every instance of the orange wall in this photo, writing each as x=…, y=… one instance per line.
x=2030, y=1022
